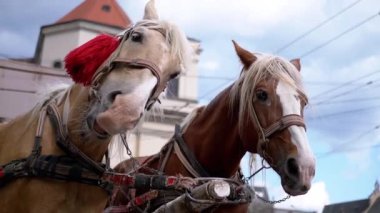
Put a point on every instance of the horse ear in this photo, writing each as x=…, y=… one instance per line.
x=297, y=63
x=150, y=11
x=246, y=57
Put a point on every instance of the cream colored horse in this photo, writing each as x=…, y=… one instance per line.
x=149, y=55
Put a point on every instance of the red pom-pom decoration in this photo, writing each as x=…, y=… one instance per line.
x=82, y=62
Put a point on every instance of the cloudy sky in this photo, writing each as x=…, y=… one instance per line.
x=340, y=67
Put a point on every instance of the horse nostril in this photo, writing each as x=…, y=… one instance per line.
x=292, y=167
x=112, y=95
x=305, y=188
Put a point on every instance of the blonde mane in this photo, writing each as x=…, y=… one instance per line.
x=266, y=66
x=179, y=45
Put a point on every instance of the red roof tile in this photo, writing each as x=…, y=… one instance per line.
x=100, y=11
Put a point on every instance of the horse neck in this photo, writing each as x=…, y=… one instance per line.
x=213, y=136
x=90, y=145
x=17, y=137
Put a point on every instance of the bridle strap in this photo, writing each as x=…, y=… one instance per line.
x=285, y=122
x=136, y=63
x=142, y=63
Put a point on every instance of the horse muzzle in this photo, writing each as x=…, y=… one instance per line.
x=296, y=178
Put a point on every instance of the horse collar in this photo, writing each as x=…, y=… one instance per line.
x=186, y=156
x=75, y=166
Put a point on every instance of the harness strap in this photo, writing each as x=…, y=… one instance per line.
x=186, y=156
x=63, y=141
x=143, y=182
x=40, y=128
x=56, y=167
x=185, y=162
x=163, y=163
x=137, y=201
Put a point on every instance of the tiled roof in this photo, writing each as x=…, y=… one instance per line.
x=347, y=207
x=106, y=12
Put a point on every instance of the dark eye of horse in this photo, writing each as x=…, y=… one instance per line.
x=136, y=37
x=174, y=75
x=262, y=95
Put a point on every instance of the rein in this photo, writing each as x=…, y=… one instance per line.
x=155, y=198
x=247, y=179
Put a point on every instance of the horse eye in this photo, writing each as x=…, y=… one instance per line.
x=136, y=37
x=174, y=75
x=262, y=95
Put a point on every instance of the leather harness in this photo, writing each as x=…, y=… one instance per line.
x=75, y=166
x=158, y=197
x=192, y=165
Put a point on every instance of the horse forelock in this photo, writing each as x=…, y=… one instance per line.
x=266, y=66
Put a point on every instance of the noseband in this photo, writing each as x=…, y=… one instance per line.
x=132, y=63
x=281, y=124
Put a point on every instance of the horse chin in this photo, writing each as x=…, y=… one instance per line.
x=105, y=124
x=99, y=131
x=292, y=187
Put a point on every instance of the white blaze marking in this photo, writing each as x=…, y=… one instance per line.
x=291, y=105
x=144, y=89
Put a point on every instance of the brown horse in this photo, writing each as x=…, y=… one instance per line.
x=261, y=112
x=51, y=165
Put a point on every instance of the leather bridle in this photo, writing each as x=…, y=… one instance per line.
x=132, y=63
x=279, y=125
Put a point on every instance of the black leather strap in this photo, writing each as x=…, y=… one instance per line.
x=188, y=153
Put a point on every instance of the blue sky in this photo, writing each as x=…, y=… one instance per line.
x=342, y=78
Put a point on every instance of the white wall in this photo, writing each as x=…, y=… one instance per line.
x=58, y=40
x=18, y=90
x=57, y=45
x=188, y=82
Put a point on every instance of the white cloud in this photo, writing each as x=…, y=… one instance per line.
x=314, y=200
x=243, y=17
x=209, y=65
x=344, y=127
x=359, y=156
x=360, y=160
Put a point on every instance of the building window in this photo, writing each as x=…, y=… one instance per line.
x=57, y=64
x=173, y=87
x=106, y=8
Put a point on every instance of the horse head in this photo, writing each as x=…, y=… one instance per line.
x=271, y=105
x=126, y=74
